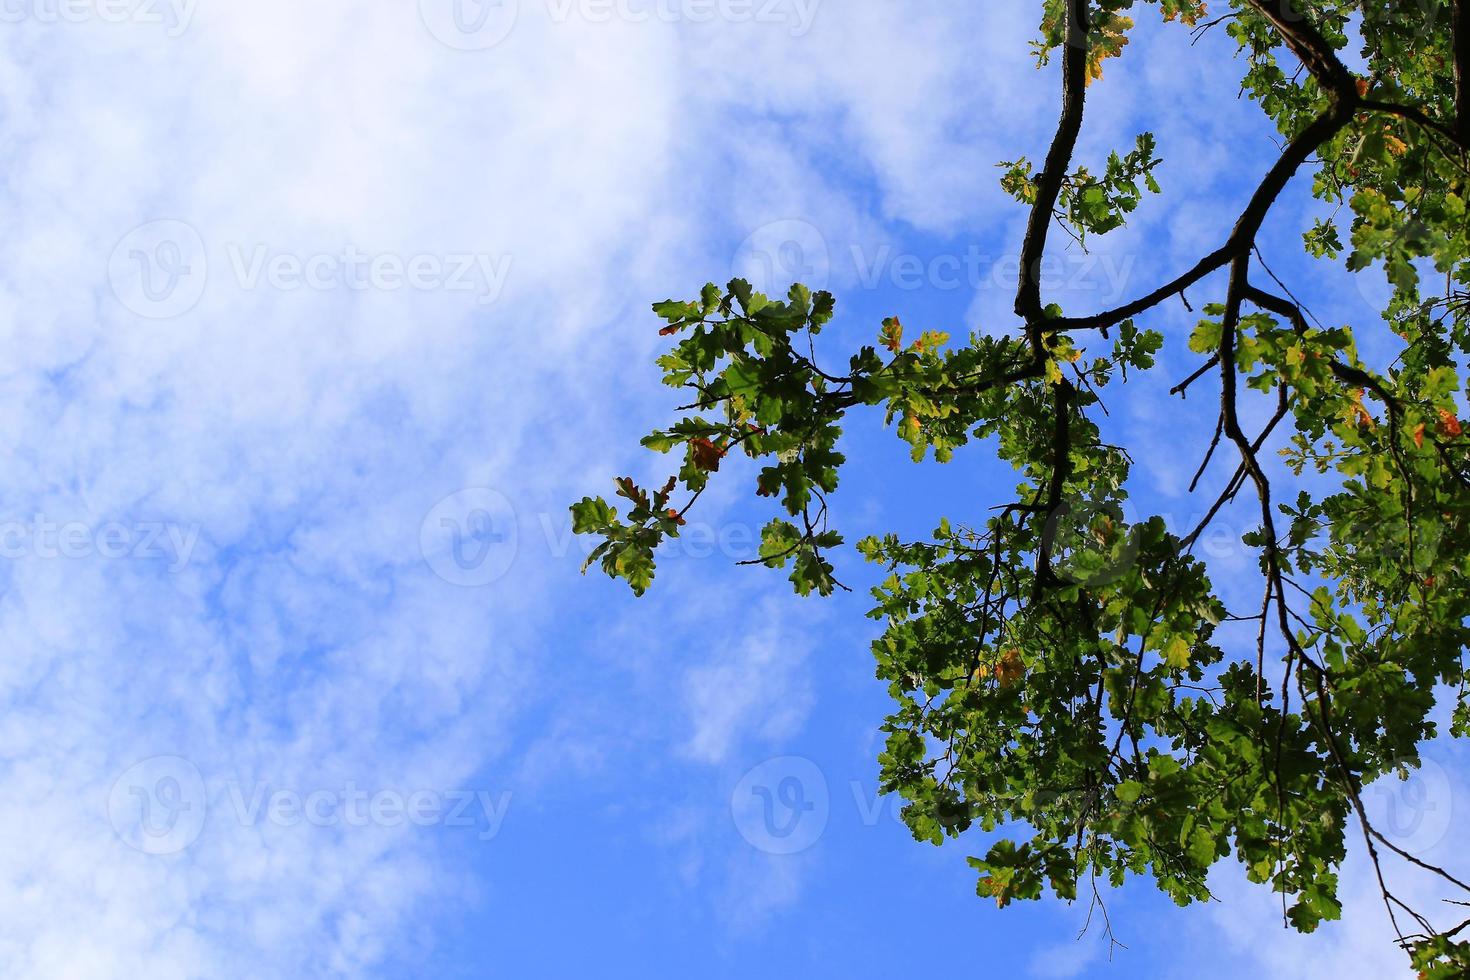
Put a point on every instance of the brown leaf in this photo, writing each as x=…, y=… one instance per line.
x=707, y=455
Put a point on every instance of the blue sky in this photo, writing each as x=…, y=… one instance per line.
x=317, y=317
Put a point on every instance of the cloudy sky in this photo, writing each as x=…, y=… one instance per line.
x=317, y=315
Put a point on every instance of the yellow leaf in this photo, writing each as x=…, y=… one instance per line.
x=1176, y=652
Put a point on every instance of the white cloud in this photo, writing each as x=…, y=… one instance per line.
x=1063, y=961
x=754, y=686
x=307, y=432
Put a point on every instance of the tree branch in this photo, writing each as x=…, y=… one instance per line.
x=1247, y=226
x=1314, y=51
x=1058, y=158
x=1460, y=27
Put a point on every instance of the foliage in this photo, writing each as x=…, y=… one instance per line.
x=1061, y=672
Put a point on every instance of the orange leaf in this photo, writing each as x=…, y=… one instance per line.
x=1008, y=669
x=1419, y=435
x=892, y=334
x=1361, y=413
x=1448, y=424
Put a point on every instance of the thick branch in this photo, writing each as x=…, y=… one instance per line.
x=1314, y=51
x=1058, y=159
x=1235, y=296
x=1061, y=469
x=1461, y=29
